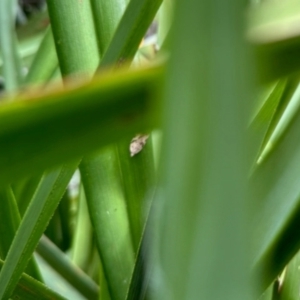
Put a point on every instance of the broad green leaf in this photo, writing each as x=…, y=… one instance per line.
x=46, y=130
x=203, y=242
x=33, y=224
x=63, y=265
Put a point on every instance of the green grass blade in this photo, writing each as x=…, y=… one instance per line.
x=24, y=191
x=268, y=117
x=104, y=290
x=92, y=115
x=138, y=177
x=277, y=209
x=281, y=123
x=138, y=283
x=74, y=35
x=82, y=239
x=289, y=288
x=45, y=61
x=30, y=289
x=9, y=222
x=62, y=264
x=274, y=32
x=34, y=222
x=142, y=274
x=262, y=120
x=107, y=15
x=26, y=48
x=136, y=19
x=8, y=46
x=106, y=206
x=165, y=15
x=64, y=212
x=53, y=230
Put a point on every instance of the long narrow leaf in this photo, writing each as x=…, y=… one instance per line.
x=289, y=288
x=281, y=121
x=34, y=222
x=45, y=61
x=137, y=172
x=137, y=18
x=83, y=235
x=138, y=177
x=9, y=222
x=30, y=289
x=61, y=263
x=277, y=209
x=8, y=45
x=65, y=125
x=24, y=191
x=107, y=15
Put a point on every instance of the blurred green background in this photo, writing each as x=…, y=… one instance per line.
x=149, y=149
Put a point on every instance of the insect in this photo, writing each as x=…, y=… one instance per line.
x=137, y=144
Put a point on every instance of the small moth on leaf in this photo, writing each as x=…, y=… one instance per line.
x=137, y=143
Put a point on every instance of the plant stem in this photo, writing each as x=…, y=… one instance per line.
x=74, y=36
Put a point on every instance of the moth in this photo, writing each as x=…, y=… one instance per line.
x=137, y=144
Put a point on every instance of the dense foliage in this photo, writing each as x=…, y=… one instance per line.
x=149, y=149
